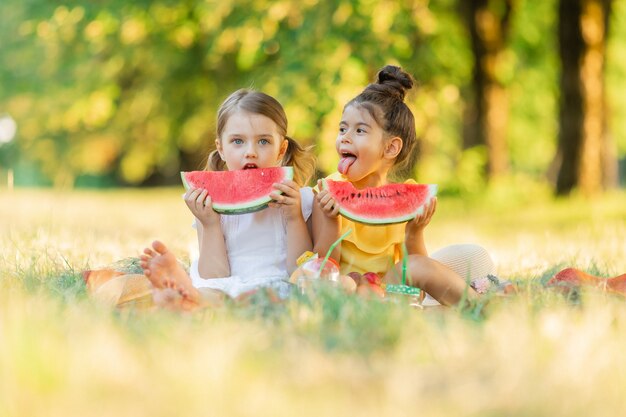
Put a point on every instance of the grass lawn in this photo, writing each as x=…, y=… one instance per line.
x=533, y=354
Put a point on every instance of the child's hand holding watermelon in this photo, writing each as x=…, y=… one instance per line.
x=414, y=231
x=199, y=203
x=329, y=207
x=422, y=220
x=289, y=201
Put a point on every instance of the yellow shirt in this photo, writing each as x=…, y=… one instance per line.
x=369, y=248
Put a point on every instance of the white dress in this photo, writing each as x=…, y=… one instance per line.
x=256, y=244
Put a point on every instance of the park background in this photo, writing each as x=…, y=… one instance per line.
x=118, y=93
x=520, y=110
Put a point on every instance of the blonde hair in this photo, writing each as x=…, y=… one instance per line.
x=256, y=102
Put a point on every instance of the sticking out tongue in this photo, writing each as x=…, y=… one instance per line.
x=345, y=163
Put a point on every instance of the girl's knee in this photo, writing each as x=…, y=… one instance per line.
x=420, y=270
x=423, y=272
x=417, y=272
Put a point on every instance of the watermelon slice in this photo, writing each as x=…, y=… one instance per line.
x=238, y=192
x=387, y=204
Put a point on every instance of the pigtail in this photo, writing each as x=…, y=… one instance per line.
x=215, y=162
x=301, y=159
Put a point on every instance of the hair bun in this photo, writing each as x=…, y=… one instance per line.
x=395, y=80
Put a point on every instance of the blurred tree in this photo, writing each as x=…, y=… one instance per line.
x=131, y=89
x=128, y=91
x=530, y=73
x=486, y=117
x=586, y=153
x=330, y=50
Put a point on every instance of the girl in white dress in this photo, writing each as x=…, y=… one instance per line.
x=240, y=253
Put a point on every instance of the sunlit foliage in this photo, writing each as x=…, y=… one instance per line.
x=127, y=91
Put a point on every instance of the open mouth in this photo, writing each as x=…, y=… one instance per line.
x=250, y=166
x=346, y=161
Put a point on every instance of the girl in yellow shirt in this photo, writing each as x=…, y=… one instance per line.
x=376, y=135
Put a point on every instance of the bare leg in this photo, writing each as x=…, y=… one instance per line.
x=445, y=285
x=170, y=299
x=164, y=271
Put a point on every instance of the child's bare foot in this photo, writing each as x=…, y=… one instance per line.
x=167, y=298
x=171, y=299
x=163, y=270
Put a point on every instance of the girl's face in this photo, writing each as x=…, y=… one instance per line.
x=250, y=140
x=361, y=147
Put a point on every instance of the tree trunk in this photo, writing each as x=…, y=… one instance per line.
x=585, y=152
x=486, y=116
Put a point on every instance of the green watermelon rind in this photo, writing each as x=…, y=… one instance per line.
x=249, y=206
x=383, y=221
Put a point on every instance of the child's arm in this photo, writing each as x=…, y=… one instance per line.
x=326, y=224
x=213, y=259
x=298, y=237
x=414, y=231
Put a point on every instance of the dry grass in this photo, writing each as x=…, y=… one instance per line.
x=534, y=354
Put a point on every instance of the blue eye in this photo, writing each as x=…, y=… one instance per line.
x=238, y=141
x=264, y=141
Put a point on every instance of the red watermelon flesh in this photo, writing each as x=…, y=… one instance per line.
x=238, y=192
x=387, y=204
